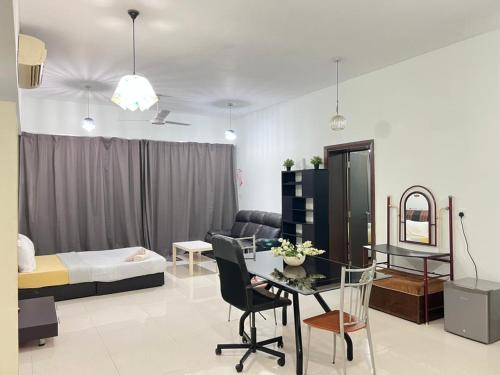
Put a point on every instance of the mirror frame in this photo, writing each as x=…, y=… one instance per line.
x=431, y=201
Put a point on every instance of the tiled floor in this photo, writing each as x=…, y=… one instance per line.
x=174, y=329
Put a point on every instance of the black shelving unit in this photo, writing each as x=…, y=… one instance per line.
x=305, y=207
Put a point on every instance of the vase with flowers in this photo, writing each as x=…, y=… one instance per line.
x=295, y=255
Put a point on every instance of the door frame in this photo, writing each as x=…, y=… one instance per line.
x=367, y=145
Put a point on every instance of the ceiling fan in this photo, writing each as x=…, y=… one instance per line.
x=160, y=117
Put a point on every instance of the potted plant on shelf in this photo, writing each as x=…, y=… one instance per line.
x=288, y=164
x=295, y=255
x=316, y=161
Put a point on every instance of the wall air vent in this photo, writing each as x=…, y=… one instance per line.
x=31, y=57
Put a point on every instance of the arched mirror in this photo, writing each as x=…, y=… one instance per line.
x=417, y=212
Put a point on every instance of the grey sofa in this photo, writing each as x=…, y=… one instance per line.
x=266, y=226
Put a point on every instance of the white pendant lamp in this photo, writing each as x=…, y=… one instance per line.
x=338, y=122
x=88, y=122
x=230, y=133
x=134, y=91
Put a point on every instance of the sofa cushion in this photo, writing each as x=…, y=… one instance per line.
x=258, y=217
x=259, y=223
x=238, y=228
x=268, y=232
x=272, y=220
x=243, y=216
x=251, y=229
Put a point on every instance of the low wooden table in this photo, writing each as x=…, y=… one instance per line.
x=191, y=247
x=37, y=319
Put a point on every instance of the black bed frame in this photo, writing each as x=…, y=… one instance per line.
x=71, y=291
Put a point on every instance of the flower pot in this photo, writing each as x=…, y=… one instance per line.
x=294, y=261
x=316, y=166
x=288, y=169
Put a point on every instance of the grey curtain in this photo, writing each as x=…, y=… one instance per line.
x=82, y=193
x=79, y=193
x=188, y=189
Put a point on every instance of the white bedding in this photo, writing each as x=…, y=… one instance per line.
x=109, y=265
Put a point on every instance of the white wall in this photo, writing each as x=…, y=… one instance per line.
x=8, y=188
x=49, y=116
x=435, y=120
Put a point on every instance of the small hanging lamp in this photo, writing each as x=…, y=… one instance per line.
x=134, y=91
x=338, y=122
x=88, y=122
x=230, y=133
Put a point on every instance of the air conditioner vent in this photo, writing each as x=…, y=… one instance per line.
x=31, y=57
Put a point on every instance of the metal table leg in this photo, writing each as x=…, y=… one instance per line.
x=298, y=333
x=426, y=292
x=284, y=319
x=347, y=338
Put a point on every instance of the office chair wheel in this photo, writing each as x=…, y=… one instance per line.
x=281, y=362
x=244, y=340
x=239, y=367
x=218, y=351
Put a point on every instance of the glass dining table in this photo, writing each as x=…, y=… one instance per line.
x=315, y=276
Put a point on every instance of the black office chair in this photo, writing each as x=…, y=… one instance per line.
x=237, y=290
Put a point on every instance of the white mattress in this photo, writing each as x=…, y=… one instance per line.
x=109, y=265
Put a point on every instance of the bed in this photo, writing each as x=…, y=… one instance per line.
x=82, y=274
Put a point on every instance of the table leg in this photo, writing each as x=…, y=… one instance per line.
x=41, y=342
x=191, y=263
x=174, y=256
x=426, y=293
x=284, y=318
x=298, y=333
x=347, y=338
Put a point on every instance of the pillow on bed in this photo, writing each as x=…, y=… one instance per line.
x=25, y=254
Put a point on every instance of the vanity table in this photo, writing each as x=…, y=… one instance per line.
x=412, y=293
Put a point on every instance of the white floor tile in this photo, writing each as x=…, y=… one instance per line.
x=173, y=330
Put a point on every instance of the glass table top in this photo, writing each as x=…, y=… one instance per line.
x=403, y=252
x=316, y=275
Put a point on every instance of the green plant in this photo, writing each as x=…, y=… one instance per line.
x=316, y=161
x=288, y=163
x=288, y=249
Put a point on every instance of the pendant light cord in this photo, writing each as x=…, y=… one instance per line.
x=133, y=41
x=88, y=101
x=337, y=61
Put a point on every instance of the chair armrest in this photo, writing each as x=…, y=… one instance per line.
x=246, y=242
x=249, y=290
x=257, y=284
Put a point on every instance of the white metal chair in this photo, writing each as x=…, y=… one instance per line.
x=352, y=316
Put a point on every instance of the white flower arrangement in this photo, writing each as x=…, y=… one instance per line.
x=288, y=249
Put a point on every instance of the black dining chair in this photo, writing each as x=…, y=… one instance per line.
x=238, y=290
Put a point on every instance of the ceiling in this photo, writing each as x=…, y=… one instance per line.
x=202, y=54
